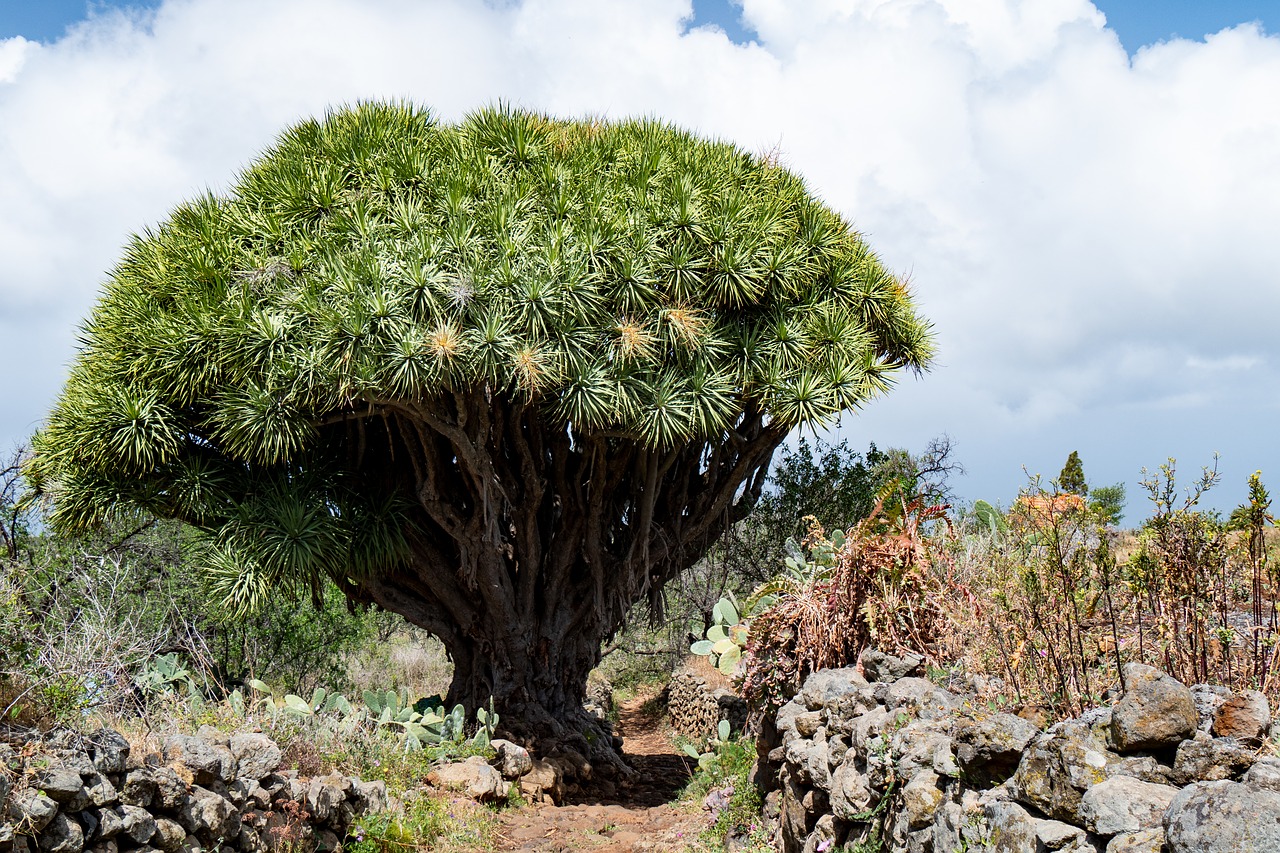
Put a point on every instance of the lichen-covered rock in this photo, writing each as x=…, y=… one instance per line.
x=1156, y=712
x=1056, y=835
x=209, y=816
x=257, y=756
x=921, y=797
x=369, y=796
x=1123, y=804
x=169, y=835
x=63, y=785
x=110, y=751
x=62, y=835
x=1057, y=768
x=1142, y=841
x=989, y=747
x=1010, y=828
x=1223, y=817
x=829, y=686
x=208, y=762
x=30, y=808
x=1208, y=759
x=136, y=823
x=1265, y=773
x=851, y=794
x=1245, y=716
x=882, y=667
x=919, y=697
x=474, y=777
x=100, y=790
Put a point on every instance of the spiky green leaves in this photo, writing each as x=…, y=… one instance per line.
x=626, y=277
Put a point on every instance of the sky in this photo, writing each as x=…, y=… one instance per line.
x=1085, y=197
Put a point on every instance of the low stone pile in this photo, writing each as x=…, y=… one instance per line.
x=73, y=793
x=699, y=697
x=901, y=762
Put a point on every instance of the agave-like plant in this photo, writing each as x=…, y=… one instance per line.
x=505, y=377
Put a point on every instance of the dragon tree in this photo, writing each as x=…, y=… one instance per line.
x=505, y=377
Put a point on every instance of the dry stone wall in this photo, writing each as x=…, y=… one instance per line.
x=72, y=793
x=699, y=697
x=902, y=763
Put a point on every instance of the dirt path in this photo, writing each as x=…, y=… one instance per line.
x=644, y=815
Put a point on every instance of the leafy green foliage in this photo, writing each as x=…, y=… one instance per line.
x=1107, y=502
x=626, y=278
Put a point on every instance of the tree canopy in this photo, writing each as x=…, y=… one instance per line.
x=398, y=343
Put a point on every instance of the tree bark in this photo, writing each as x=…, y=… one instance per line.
x=531, y=541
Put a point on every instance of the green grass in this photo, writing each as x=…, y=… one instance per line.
x=741, y=818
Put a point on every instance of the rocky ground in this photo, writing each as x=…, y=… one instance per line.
x=644, y=814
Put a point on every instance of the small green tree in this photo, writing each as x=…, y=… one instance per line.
x=1071, y=479
x=506, y=377
x=1108, y=503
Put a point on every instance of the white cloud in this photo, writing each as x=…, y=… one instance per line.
x=1093, y=235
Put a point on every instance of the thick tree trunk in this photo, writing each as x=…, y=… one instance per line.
x=530, y=542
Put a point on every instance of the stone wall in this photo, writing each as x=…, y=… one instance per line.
x=69, y=792
x=904, y=764
x=699, y=697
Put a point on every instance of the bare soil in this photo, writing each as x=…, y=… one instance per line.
x=645, y=814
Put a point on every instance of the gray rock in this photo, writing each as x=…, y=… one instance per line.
x=474, y=777
x=324, y=794
x=829, y=686
x=110, y=751
x=921, y=797
x=1209, y=759
x=882, y=667
x=920, y=744
x=851, y=794
x=867, y=726
x=29, y=807
x=136, y=823
x=822, y=836
x=62, y=835
x=169, y=835
x=207, y=762
x=139, y=787
x=1010, y=828
x=1265, y=773
x=989, y=747
x=1223, y=817
x=1056, y=835
x=77, y=760
x=62, y=784
x=1155, y=713
x=372, y=796
x=170, y=789
x=1208, y=699
x=1142, y=841
x=919, y=697
x=1123, y=804
x=808, y=723
x=1245, y=716
x=257, y=756
x=100, y=790
x=110, y=824
x=207, y=815
x=512, y=759
x=1057, y=768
